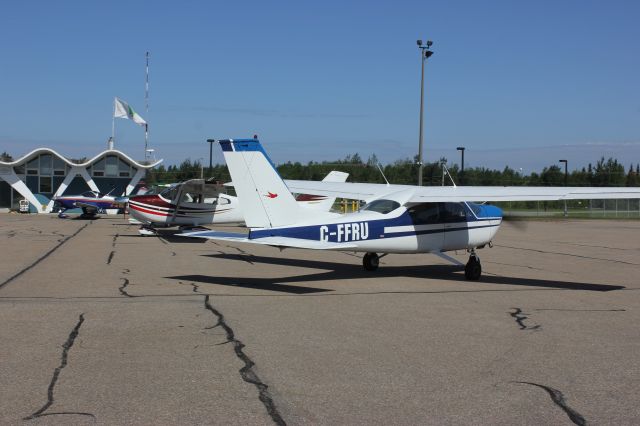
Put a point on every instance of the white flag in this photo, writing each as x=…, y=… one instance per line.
x=121, y=109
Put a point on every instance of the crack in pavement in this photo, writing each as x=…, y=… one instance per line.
x=597, y=246
x=246, y=372
x=123, y=286
x=195, y=288
x=56, y=374
x=558, y=398
x=110, y=257
x=115, y=237
x=583, y=310
x=569, y=254
x=43, y=257
x=520, y=316
x=242, y=254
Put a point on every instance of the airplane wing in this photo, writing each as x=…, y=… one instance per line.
x=519, y=193
x=371, y=191
x=269, y=241
x=90, y=208
x=350, y=190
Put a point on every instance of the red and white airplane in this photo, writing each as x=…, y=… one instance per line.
x=198, y=202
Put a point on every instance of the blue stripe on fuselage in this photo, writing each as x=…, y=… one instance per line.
x=353, y=230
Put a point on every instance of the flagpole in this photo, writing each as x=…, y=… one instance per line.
x=146, y=106
x=113, y=123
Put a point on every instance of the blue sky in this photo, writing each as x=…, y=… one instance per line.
x=517, y=83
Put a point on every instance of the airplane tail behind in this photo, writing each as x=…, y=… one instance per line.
x=265, y=200
x=322, y=202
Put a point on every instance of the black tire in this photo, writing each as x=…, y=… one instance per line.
x=371, y=261
x=473, y=269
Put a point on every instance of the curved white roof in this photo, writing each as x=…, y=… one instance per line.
x=38, y=151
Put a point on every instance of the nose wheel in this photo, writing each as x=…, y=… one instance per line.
x=473, y=269
x=371, y=261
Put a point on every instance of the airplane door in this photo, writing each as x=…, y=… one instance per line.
x=456, y=233
x=428, y=226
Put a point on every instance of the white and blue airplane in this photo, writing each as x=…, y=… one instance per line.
x=395, y=219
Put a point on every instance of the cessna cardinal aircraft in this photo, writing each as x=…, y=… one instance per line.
x=91, y=202
x=197, y=202
x=396, y=219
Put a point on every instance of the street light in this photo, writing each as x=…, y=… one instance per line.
x=461, y=149
x=425, y=53
x=211, y=141
x=565, y=170
x=566, y=212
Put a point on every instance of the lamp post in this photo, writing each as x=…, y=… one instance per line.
x=211, y=141
x=566, y=212
x=425, y=53
x=461, y=149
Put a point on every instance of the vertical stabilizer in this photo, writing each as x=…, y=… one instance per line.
x=265, y=200
x=322, y=202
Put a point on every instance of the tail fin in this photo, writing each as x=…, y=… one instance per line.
x=322, y=202
x=264, y=198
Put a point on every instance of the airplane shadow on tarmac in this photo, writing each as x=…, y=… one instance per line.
x=342, y=271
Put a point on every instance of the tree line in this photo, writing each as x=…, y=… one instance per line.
x=609, y=172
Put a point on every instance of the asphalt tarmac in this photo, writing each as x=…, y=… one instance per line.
x=101, y=326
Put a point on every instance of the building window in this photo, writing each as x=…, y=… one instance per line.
x=46, y=166
x=98, y=168
x=59, y=166
x=19, y=170
x=111, y=168
x=32, y=166
x=124, y=174
x=45, y=184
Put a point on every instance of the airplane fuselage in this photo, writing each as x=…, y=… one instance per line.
x=158, y=211
x=444, y=227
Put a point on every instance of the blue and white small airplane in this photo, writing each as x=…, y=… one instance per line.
x=91, y=202
x=395, y=219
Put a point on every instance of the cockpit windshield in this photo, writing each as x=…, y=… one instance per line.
x=90, y=194
x=382, y=206
x=170, y=193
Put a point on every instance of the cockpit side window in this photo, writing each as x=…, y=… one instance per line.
x=382, y=206
x=425, y=213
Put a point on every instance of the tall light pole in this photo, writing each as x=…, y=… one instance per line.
x=565, y=170
x=425, y=53
x=566, y=212
x=211, y=141
x=461, y=149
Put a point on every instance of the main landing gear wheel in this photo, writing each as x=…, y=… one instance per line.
x=473, y=269
x=371, y=261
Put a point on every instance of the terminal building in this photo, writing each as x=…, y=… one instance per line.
x=43, y=174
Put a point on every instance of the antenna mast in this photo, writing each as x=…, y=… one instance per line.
x=146, y=106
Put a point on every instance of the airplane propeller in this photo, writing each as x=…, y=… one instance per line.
x=517, y=222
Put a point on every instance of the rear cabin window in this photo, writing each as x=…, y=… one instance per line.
x=424, y=214
x=382, y=206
